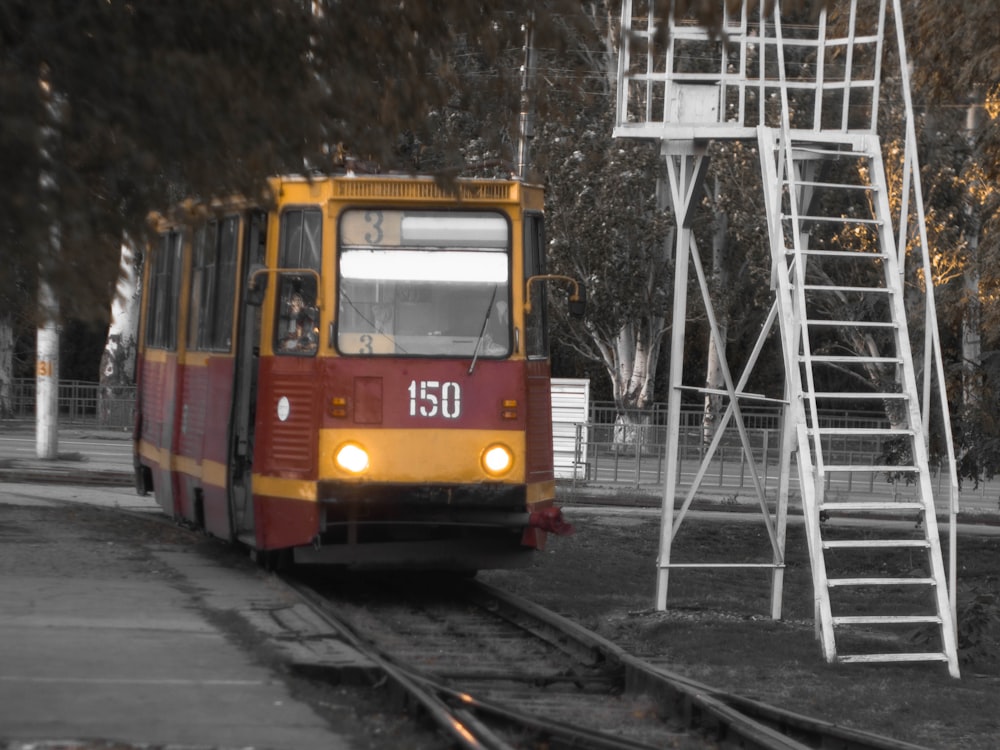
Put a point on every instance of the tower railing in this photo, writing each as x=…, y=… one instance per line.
x=682, y=81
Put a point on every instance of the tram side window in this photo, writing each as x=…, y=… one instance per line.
x=213, y=286
x=298, y=318
x=535, y=324
x=225, y=297
x=301, y=238
x=256, y=238
x=164, y=291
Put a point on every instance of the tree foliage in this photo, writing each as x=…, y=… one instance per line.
x=606, y=225
x=159, y=100
x=606, y=228
x=956, y=64
x=205, y=98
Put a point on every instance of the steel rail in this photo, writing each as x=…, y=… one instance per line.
x=747, y=715
x=459, y=713
x=718, y=718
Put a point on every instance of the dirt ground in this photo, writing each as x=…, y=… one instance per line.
x=717, y=627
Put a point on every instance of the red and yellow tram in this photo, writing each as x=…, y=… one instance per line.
x=357, y=375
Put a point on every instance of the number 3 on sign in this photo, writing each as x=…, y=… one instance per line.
x=45, y=368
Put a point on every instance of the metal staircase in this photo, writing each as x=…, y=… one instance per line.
x=808, y=90
x=842, y=315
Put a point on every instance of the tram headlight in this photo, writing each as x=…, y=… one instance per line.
x=351, y=457
x=497, y=460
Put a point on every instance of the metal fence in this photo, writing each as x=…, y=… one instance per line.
x=640, y=466
x=630, y=450
x=605, y=413
x=80, y=402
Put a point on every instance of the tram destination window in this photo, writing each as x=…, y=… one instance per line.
x=424, y=283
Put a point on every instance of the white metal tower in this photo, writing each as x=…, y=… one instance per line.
x=843, y=243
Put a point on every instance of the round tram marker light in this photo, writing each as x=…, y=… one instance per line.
x=497, y=459
x=351, y=457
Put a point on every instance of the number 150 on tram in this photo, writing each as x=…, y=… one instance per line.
x=356, y=375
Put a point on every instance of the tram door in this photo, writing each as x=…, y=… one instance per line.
x=245, y=380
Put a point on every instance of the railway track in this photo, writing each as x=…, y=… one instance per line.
x=495, y=671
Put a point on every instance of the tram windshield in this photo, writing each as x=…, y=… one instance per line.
x=424, y=283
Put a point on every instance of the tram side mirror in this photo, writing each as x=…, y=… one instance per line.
x=577, y=298
x=578, y=302
x=256, y=285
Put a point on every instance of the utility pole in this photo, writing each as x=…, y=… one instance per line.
x=47, y=346
x=527, y=117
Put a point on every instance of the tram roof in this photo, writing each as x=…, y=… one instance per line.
x=346, y=186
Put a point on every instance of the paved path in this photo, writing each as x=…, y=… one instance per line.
x=79, y=449
x=109, y=639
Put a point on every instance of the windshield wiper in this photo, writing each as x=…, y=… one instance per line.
x=482, y=330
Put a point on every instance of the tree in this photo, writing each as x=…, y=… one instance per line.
x=960, y=53
x=740, y=268
x=204, y=99
x=111, y=109
x=121, y=345
x=6, y=364
x=606, y=225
